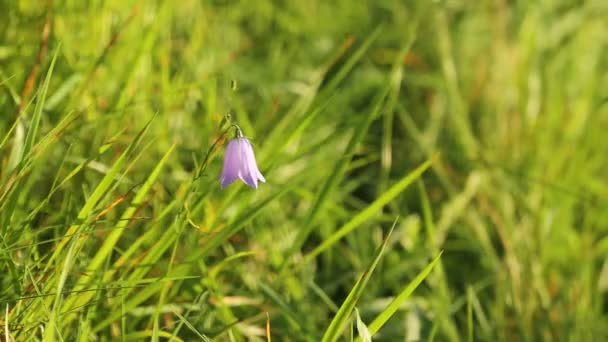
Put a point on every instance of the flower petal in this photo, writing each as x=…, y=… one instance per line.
x=231, y=168
x=239, y=162
x=248, y=166
x=253, y=165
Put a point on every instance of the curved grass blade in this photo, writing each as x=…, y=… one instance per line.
x=390, y=309
x=343, y=315
x=32, y=133
x=370, y=210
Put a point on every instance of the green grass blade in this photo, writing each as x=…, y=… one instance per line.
x=336, y=174
x=321, y=99
x=369, y=211
x=8, y=134
x=286, y=310
x=22, y=146
x=168, y=238
x=52, y=327
x=32, y=133
x=363, y=330
x=107, y=180
x=111, y=240
x=337, y=324
x=191, y=327
x=100, y=190
x=394, y=305
x=350, y=63
x=18, y=147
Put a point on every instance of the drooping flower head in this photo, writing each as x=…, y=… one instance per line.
x=239, y=162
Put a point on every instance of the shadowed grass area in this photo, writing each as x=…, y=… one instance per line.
x=436, y=171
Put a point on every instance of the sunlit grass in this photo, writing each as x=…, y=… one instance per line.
x=435, y=171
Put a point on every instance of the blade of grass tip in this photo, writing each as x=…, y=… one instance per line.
x=190, y=326
x=338, y=323
x=18, y=140
x=362, y=329
x=196, y=304
x=99, y=191
x=18, y=145
x=8, y=134
x=336, y=175
x=394, y=305
x=5, y=81
x=32, y=133
x=369, y=211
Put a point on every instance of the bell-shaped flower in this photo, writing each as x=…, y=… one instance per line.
x=239, y=162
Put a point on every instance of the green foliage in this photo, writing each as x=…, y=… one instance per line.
x=480, y=125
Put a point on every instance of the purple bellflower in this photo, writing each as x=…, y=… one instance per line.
x=239, y=162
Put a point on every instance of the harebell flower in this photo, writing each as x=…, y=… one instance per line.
x=239, y=162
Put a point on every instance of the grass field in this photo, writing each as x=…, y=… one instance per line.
x=435, y=170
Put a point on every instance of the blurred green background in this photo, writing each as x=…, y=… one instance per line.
x=479, y=127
